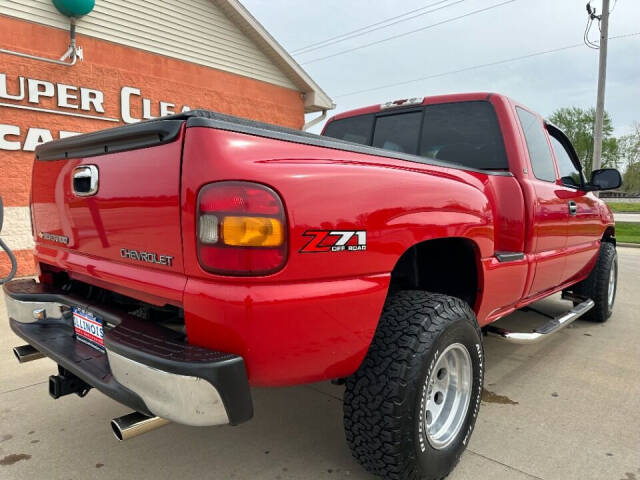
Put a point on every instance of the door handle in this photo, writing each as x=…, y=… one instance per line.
x=84, y=181
x=573, y=208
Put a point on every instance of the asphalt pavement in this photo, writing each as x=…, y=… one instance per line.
x=567, y=408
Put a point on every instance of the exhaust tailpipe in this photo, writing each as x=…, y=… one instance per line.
x=26, y=353
x=134, y=424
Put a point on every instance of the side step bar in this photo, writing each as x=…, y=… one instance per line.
x=552, y=326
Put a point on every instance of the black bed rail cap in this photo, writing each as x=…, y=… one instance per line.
x=147, y=133
x=112, y=140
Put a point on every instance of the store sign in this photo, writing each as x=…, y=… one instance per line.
x=77, y=101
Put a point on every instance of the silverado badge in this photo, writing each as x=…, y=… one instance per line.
x=54, y=238
x=149, y=257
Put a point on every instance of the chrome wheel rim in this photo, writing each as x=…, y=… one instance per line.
x=448, y=396
x=612, y=284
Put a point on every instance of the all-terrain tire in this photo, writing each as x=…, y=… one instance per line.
x=596, y=285
x=384, y=401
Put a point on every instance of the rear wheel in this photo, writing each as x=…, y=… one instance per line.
x=411, y=407
x=601, y=284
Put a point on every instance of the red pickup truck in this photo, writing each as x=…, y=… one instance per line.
x=185, y=259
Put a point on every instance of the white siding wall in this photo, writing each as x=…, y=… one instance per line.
x=193, y=30
x=16, y=231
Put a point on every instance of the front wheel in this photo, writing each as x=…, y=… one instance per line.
x=601, y=285
x=411, y=407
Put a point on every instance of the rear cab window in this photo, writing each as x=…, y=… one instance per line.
x=466, y=133
x=398, y=132
x=463, y=133
x=354, y=129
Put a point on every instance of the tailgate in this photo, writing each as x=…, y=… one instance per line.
x=113, y=195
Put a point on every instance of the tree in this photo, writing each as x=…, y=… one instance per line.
x=629, y=146
x=577, y=123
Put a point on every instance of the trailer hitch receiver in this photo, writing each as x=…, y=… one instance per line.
x=66, y=383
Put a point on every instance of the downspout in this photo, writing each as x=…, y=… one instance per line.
x=315, y=121
x=74, y=52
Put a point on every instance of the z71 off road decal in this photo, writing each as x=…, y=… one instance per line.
x=335, y=241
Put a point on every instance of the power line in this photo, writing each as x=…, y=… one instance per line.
x=586, y=39
x=475, y=67
x=366, y=27
x=370, y=28
x=591, y=16
x=409, y=32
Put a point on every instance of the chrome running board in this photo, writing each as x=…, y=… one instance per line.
x=552, y=326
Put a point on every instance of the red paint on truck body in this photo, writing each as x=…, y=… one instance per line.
x=314, y=318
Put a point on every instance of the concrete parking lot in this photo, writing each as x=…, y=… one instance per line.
x=568, y=408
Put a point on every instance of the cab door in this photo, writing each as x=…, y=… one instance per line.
x=550, y=208
x=584, y=227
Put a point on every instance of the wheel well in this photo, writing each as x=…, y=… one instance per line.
x=610, y=235
x=446, y=265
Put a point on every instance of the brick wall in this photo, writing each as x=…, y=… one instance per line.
x=108, y=67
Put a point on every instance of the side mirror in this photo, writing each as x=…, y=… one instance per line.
x=605, y=179
x=1, y=213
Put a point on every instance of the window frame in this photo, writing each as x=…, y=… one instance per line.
x=554, y=132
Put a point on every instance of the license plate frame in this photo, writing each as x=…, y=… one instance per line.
x=88, y=328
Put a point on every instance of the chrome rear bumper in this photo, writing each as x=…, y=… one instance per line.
x=146, y=367
x=180, y=398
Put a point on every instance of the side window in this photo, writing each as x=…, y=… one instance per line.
x=539, y=153
x=398, y=132
x=354, y=129
x=569, y=174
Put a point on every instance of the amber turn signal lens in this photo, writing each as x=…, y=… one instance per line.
x=252, y=232
x=242, y=229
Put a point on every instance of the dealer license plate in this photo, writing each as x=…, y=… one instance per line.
x=88, y=328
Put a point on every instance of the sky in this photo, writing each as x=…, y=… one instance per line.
x=516, y=28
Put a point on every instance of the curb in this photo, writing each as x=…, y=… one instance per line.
x=628, y=245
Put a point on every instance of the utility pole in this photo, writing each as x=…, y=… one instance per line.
x=602, y=80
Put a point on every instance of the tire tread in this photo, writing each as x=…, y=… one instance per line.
x=375, y=402
x=595, y=286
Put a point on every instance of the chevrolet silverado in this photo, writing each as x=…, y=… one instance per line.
x=183, y=260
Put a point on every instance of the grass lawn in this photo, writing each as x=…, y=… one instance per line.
x=623, y=207
x=628, y=232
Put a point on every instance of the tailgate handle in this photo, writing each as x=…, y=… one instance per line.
x=84, y=181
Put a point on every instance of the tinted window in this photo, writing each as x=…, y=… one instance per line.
x=569, y=174
x=539, y=153
x=466, y=133
x=354, y=129
x=398, y=132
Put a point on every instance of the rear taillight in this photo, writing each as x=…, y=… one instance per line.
x=242, y=229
